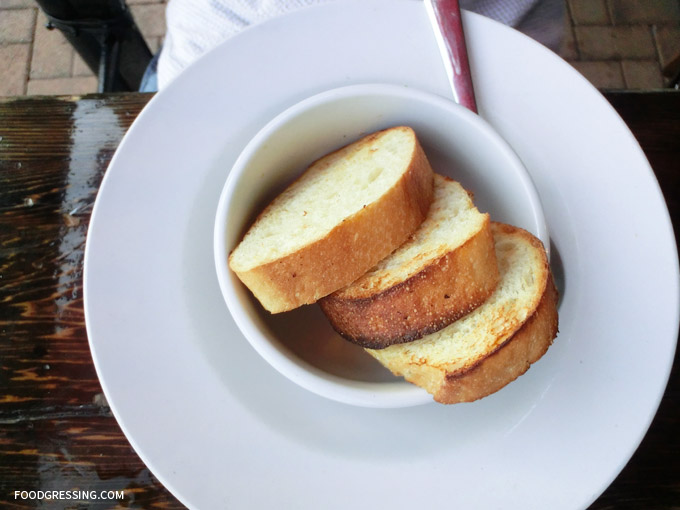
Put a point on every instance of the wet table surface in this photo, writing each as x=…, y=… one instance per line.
x=56, y=430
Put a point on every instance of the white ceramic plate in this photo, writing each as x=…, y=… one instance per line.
x=220, y=428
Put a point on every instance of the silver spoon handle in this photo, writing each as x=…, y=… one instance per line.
x=446, y=20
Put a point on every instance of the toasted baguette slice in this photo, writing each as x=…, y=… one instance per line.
x=345, y=213
x=492, y=346
x=444, y=271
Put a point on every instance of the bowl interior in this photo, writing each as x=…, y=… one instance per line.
x=301, y=344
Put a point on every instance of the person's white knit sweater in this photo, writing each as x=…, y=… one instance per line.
x=196, y=26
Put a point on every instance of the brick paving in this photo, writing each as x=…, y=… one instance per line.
x=616, y=44
x=624, y=44
x=35, y=60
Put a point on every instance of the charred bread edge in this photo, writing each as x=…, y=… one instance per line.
x=399, y=300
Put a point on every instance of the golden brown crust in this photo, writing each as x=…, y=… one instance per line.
x=350, y=249
x=510, y=360
x=518, y=343
x=442, y=292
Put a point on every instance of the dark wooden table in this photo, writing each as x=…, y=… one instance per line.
x=56, y=430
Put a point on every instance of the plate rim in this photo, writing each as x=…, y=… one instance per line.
x=107, y=390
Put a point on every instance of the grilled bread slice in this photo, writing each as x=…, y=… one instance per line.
x=345, y=213
x=496, y=343
x=444, y=271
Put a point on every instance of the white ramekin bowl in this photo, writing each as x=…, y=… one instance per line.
x=301, y=344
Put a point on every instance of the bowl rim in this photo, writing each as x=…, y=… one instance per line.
x=359, y=393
